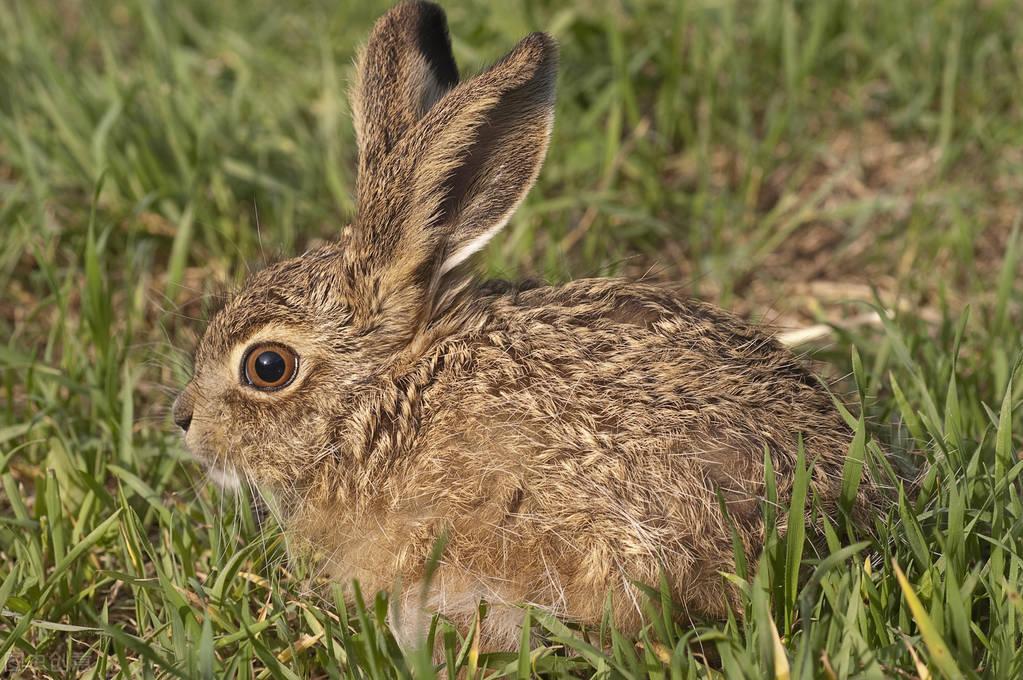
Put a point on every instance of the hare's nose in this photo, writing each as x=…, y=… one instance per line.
x=183, y=421
x=183, y=411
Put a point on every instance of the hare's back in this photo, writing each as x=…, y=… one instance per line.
x=638, y=370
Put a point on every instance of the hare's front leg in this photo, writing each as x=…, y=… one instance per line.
x=412, y=612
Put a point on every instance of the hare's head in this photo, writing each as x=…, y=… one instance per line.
x=442, y=166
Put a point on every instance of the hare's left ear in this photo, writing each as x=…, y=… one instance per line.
x=405, y=67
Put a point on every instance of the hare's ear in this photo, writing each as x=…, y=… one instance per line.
x=480, y=150
x=405, y=67
x=454, y=178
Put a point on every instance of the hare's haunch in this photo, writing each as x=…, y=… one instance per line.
x=565, y=441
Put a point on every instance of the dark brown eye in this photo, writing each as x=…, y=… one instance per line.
x=270, y=366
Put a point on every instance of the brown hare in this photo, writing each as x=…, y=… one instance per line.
x=565, y=441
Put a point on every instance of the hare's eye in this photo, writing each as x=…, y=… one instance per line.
x=269, y=367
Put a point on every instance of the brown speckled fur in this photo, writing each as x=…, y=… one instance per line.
x=565, y=440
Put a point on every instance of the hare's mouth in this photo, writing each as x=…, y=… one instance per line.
x=220, y=472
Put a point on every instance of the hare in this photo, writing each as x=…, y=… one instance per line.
x=565, y=442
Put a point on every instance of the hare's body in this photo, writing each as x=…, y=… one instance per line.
x=567, y=441
x=563, y=443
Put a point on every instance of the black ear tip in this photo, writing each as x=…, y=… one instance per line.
x=422, y=26
x=542, y=41
x=542, y=49
x=434, y=42
x=428, y=15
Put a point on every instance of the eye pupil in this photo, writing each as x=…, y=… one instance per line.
x=270, y=366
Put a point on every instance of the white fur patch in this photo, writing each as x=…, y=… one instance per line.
x=225, y=477
x=463, y=253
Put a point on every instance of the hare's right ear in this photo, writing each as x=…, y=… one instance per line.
x=404, y=69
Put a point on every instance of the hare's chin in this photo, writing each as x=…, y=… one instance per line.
x=225, y=477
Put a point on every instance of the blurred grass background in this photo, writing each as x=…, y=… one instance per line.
x=850, y=171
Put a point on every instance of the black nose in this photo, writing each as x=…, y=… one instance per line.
x=183, y=412
x=183, y=421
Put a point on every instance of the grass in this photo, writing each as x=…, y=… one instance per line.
x=849, y=166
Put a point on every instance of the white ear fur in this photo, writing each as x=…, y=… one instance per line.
x=477, y=244
x=517, y=190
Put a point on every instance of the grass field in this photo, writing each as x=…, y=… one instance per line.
x=850, y=171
